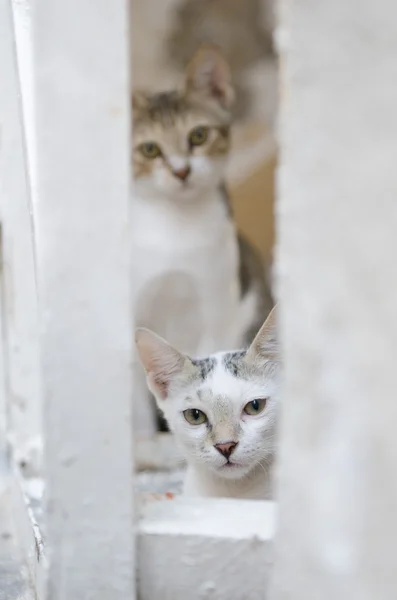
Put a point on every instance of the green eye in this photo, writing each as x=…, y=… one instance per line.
x=198, y=136
x=194, y=416
x=150, y=150
x=255, y=407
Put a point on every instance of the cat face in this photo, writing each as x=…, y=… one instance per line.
x=181, y=138
x=222, y=409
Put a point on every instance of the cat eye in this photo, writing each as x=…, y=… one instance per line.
x=150, y=150
x=194, y=416
x=255, y=407
x=198, y=136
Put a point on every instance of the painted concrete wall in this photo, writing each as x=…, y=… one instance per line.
x=19, y=302
x=83, y=263
x=337, y=249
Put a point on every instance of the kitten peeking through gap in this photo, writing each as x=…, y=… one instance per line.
x=222, y=410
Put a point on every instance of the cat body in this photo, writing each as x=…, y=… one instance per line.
x=186, y=260
x=222, y=410
x=185, y=266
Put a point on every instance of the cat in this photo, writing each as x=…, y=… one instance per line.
x=222, y=410
x=196, y=281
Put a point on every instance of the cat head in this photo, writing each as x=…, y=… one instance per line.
x=181, y=138
x=222, y=409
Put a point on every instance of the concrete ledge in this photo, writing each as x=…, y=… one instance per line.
x=208, y=548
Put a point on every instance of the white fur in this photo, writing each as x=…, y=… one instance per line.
x=222, y=397
x=178, y=162
x=220, y=387
x=185, y=265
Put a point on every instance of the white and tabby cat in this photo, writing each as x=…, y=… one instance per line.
x=222, y=411
x=196, y=282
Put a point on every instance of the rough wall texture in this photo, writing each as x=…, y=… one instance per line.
x=337, y=223
x=204, y=549
x=83, y=263
x=19, y=332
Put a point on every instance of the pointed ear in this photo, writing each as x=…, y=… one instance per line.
x=161, y=361
x=265, y=345
x=208, y=73
x=139, y=101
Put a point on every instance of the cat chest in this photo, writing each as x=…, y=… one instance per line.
x=203, y=245
x=206, y=263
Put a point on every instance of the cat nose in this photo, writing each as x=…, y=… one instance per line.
x=182, y=173
x=226, y=449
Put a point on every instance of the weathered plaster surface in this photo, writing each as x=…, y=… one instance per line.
x=83, y=264
x=337, y=248
x=219, y=549
x=19, y=334
x=14, y=578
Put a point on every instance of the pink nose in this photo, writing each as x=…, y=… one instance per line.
x=226, y=449
x=182, y=173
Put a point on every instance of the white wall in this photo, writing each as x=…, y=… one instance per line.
x=82, y=219
x=337, y=223
x=20, y=331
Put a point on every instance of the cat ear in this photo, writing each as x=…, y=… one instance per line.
x=208, y=73
x=139, y=101
x=161, y=361
x=265, y=345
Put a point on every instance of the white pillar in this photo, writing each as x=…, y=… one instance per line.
x=22, y=25
x=337, y=227
x=83, y=263
x=19, y=303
